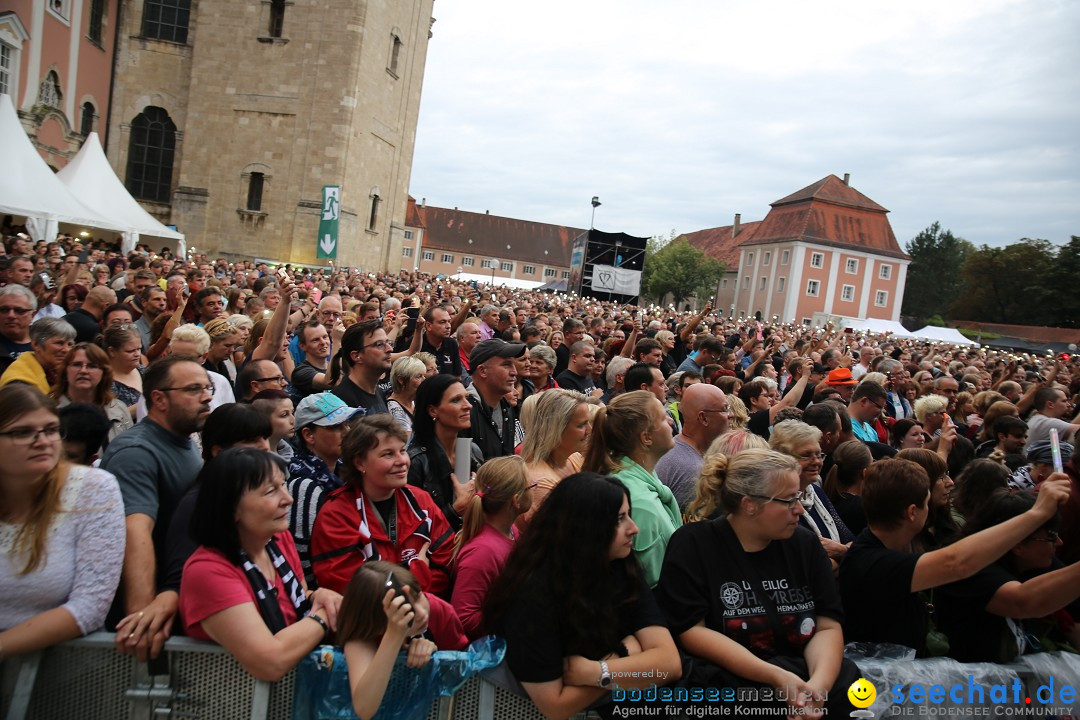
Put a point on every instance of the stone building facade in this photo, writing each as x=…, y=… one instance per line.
x=230, y=117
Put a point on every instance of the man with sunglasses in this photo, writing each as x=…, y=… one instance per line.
x=365, y=358
x=17, y=306
x=155, y=462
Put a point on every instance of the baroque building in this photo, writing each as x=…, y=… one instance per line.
x=228, y=118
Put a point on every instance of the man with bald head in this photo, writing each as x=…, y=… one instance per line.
x=86, y=319
x=705, y=416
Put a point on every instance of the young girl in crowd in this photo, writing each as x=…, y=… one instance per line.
x=630, y=436
x=503, y=492
x=843, y=484
x=573, y=605
x=377, y=622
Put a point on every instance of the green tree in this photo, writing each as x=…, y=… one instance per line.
x=681, y=269
x=1008, y=285
x=934, y=279
x=1064, y=300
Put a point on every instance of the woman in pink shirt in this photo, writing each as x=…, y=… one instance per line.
x=503, y=492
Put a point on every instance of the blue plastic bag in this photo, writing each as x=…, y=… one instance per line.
x=322, y=690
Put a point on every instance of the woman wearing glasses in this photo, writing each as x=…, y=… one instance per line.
x=50, y=341
x=751, y=596
x=61, y=531
x=803, y=442
x=86, y=377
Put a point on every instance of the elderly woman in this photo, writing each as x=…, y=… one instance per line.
x=803, y=442
x=243, y=325
x=406, y=374
x=557, y=435
x=778, y=625
x=542, y=362
x=85, y=377
x=61, y=531
x=666, y=338
x=243, y=587
x=50, y=341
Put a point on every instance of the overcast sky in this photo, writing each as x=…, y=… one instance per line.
x=679, y=114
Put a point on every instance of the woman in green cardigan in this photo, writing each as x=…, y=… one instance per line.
x=629, y=436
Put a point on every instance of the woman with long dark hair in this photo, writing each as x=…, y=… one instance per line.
x=441, y=412
x=573, y=605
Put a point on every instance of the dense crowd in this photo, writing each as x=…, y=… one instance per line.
x=276, y=457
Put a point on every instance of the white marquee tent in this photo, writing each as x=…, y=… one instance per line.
x=499, y=281
x=877, y=326
x=91, y=179
x=29, y=188
x=942, y=334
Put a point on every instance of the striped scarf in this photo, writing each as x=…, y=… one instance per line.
x=266, y=594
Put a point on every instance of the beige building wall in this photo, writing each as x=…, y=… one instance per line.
x=330, y=102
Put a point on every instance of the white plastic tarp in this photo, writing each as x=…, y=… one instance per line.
x=28, y=187
x=942, y=334
x=90, y=178
x=499, y=281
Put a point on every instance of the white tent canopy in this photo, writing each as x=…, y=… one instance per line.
x=942, y=334
x=878, y=326
x=91, y=179
x=28, y=187
x=499, y=281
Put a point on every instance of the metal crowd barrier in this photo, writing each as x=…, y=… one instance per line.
x=89, y=680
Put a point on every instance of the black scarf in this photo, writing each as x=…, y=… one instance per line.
x=266, y=594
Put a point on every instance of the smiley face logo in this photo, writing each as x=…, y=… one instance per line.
x=862, y=693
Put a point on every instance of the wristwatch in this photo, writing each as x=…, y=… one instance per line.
x=605, y=675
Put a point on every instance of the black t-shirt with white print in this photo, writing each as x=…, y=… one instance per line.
x=767, y=601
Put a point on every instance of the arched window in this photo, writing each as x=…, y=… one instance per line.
x=49, y=90
x=97, y=13
x=86, y=121
x=150, y=155
x=166, y=20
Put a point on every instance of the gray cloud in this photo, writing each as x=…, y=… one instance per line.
x=679, y=114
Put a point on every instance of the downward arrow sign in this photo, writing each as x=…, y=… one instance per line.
x=327, y=244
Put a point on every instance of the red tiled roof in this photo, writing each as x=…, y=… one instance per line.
x=485, y=235
x=719, y=243
x=413, y=216
x=832, y=214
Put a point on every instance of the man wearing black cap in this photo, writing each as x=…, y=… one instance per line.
x=493, y=374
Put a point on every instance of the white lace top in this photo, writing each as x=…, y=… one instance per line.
x=84, y=554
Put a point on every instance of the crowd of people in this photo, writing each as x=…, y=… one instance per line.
x=272, y=458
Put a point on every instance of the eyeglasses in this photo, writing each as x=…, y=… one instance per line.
x=84, y=366
x=29, y=436
x=193, y=390
x=725, y=411
x=279, y=379
x=16, y=310
x=809, y=457
x=1051, y=537
x=790, y=502
x=381, y=344
x=329, y=314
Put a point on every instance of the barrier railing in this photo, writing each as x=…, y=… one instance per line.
x=88, y=680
